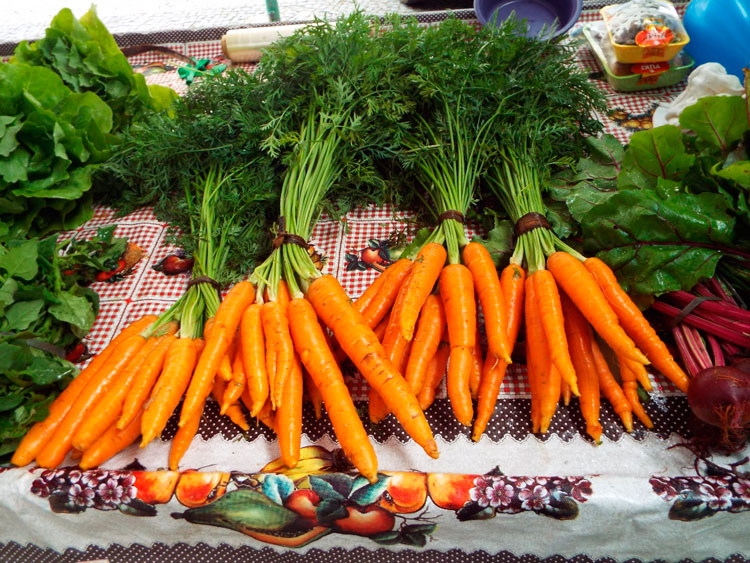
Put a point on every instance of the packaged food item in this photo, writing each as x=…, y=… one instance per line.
x=630, y=77
x=644, y=30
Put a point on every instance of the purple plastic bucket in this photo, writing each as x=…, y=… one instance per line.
x=539, y=14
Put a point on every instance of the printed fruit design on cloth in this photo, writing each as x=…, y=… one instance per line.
x=368, y=521
x=155, y=487
x=376, y=255
x=274, y=508
x=295, y=508
x=406, y=492
x=304, y=502
x=450, y=491
x=197, y=488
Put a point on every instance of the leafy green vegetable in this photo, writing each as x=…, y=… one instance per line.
x=44, y=311
x=653, y=154
x=593, y=180
x=51, y=140
x=62, y=99
x=87, y=58
x=657, y=244
x=673, y=207
x=218, y=122
x=719, y=121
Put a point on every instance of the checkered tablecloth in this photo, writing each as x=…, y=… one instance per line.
x=621, y=495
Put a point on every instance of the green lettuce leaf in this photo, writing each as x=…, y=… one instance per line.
x=88, y=59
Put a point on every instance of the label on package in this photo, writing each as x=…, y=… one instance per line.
x=649, y=72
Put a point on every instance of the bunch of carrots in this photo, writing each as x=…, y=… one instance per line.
x=571, y=305
x=133, y=386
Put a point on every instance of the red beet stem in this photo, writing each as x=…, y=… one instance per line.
x=714, y=328
x=708, y=309
x=716, y=350
x=691, y=364
x=697, y=345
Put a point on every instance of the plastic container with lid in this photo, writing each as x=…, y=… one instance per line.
x=644, y=31
x=627, y=77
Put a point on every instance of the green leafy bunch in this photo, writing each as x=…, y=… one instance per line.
x=44, y=311
x=671, y=208
x=87, y=58
x=217, y=123
x=51, y=139
x=347, y=71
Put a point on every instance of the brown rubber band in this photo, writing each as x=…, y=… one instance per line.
x=451, y=214
x=289, y=238
x=283, y=237
x=690, y=307
x=529, y=222
x=204, y=279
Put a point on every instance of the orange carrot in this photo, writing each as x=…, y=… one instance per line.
x=477, y=367
x=630, y=388
x=233, y=412
x=313, y=393
x=550, y=311
x=538, y=361
x=112, y=442
x=533, y=377
x=641, y=375
x=144, y=381
x=512, y=281
x=107, y=410
x=226, y=321
x=580, y=337
x=253, y=350
x=584, y=291
x=635, y=324
x=565, y=393
x=394, y=342
x=279, y=347
x=377, y=409
x=460, y=366
x=380, y=329
x=361, y=302
x=179, y=364
x=430, y=330
x=362, y=346
x=289, y=415
x=282, y=294
x=435, y=374
x=487, y=283
x=611, y=389
x=456, y=288
x=382, y=302
x=182, y=440
x=54, y=451
x=266, y=415
x=234, y=388
x=39, y=434
x=550, y=384
x=226, y=370
x=418, y=285
x=397, y=350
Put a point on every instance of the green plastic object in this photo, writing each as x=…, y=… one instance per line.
x=637, y=82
